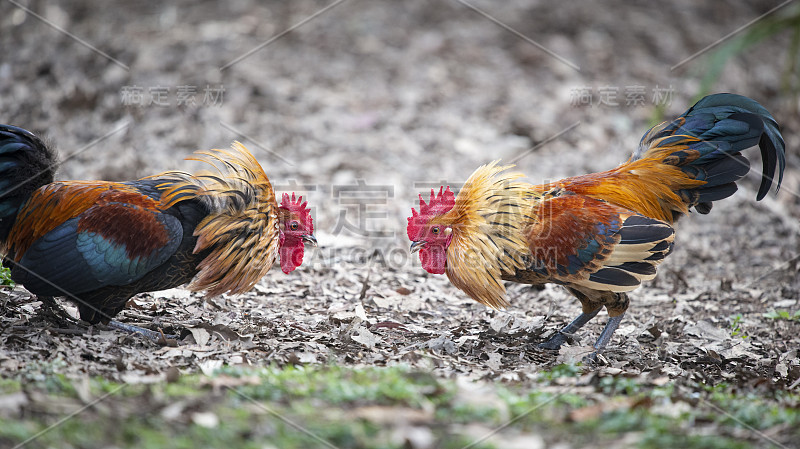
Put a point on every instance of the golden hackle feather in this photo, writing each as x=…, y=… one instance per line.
x=647, y=185
x=242, y=228
x=487, y=242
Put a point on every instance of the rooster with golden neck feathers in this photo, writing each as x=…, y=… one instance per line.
x=599, y=235
x=99, y=243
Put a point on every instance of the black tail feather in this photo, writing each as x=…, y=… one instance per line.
x=725, y=125
x=26, y=164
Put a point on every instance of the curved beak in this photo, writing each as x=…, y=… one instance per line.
x=416, y=246
x=310, y=239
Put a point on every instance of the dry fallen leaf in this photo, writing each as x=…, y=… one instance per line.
x=573, y=354
x=706, y=330
x=209, y=366
x=201, y=336
x=360, y=312
x=494, y=360
x=365, y=337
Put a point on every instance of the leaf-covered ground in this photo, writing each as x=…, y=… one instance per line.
x=360, y=108
x=336, y=406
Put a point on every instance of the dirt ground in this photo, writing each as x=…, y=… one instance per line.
x=360, y=105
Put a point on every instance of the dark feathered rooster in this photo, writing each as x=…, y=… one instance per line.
x=99, y=243
x=602, y=234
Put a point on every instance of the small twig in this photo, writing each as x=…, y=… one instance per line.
x=390, y=325
x=153, y=322
x=365, y=286
x=155, y=335
x=137, y=316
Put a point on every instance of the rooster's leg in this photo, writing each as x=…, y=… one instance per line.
x=616, y=305
x=608, y=331
x=153, y=335
x=604, y=338
x=561, y=337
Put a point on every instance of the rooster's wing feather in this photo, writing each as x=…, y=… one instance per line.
x=118, y=239
x=580, y=241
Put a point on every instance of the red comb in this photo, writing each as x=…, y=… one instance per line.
x=437, y=205
x=298, y=206
x=292, y=203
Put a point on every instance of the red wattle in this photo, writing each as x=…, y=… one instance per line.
x=433, y=258
x=291, y=255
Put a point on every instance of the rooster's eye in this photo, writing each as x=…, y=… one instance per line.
x=435, y=230
x=293, y=226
